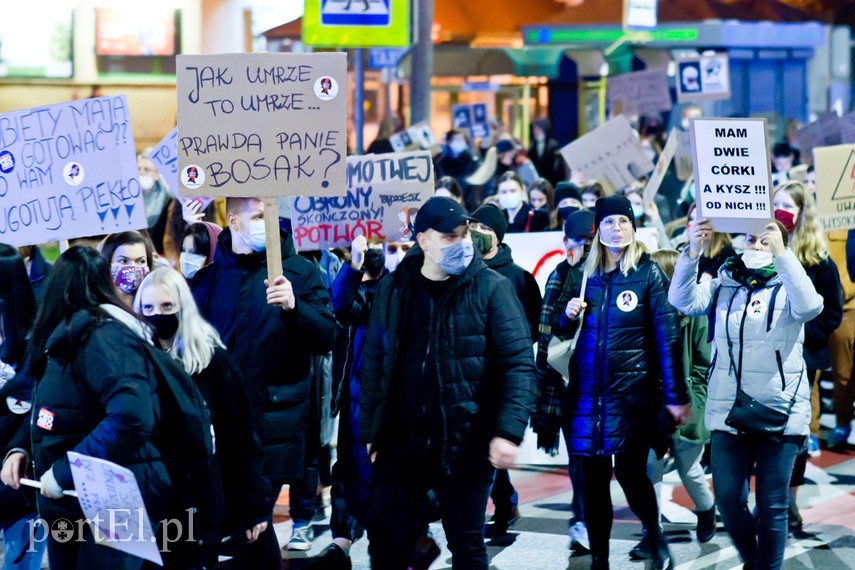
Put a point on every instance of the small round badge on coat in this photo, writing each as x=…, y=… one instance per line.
x=627, y=301
x=756, y=308
x=18, y=407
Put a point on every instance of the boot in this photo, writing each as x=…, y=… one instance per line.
x=661, y=559
x=706, y=525
x=599, y=563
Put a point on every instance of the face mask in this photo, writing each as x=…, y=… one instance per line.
x=685, y=124
x=456, y=258
x=190, y=263
x=165, y=326
x=539, y=138
x=637, y=211
x=374, y=261
x=787, y=219
x=619, y=245
x=128, y=277
x=256, y=239
x=510, y=201
x=392, y=261
x=756, y=259
x=147, y=183
x=565, y=211
x=481, y=241
x=457, y=147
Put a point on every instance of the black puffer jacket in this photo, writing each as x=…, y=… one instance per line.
x=630, y=344
x=98, y=397
x=525, y=285
x=483, y=354
x=272, y=348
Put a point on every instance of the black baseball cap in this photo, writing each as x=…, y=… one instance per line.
x=440, y=214
x=580, y=225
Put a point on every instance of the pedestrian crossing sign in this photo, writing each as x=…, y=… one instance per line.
x=356, y=23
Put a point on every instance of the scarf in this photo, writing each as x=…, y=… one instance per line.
x=754, y=279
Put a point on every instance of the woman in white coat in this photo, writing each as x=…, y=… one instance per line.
x=758, y=305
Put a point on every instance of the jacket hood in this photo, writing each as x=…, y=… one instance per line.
x=70, y=335
x=502, y=258
x=226, y=256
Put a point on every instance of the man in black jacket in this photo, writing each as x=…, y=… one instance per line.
x=272, y=331
x=447, y=390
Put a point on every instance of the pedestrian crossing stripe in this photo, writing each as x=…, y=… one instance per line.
x=355, y=12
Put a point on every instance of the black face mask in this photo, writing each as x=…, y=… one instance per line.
x=165, y=326
x=565, y=211
x=374, y=262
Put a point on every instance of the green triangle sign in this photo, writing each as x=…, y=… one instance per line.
x=845, y=189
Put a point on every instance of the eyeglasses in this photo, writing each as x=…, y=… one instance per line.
x=609, y=223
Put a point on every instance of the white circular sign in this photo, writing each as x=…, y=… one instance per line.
x=73, y=173
x=627, y=301
x=326, y=88
x=193, y=176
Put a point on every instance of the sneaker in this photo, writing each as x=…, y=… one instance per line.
x=705, y=530
x=641, y=551
x=813, y=446
x=794, y=522
x=333, y=557
x=579, y=537
x=498, y=524
x=426, y=552
x=301, y=538
x=839, y=436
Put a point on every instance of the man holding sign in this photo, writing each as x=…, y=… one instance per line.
x=272, y=330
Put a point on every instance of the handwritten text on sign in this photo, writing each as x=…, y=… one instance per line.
x=262, y=124
x=732, y=174
x=384, y=193
x=68, y=170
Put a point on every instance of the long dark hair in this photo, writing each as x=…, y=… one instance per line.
x=114, y=241
x=201, y=238
x=80, y=281
x=18, y=310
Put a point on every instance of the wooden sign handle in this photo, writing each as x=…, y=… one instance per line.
x=274, y=247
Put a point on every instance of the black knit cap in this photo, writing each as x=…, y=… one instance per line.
x=564, y=190
x=614, y=205
x=491, y=216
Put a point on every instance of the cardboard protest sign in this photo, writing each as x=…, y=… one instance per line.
x=164, y=156
x=703, y=78
x=68, y=170
x=384, y=193
x=665, y=158
x=639, y=93
x=825, y=131
x=835, y=186
x=611, y=152
x=732, y=173
x=261, y=124
x=110, y=498
x=683, y=156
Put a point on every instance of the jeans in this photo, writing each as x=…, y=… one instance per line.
x=630, y=469
x=302, y=494
x=19, y=553
x=505, y=497
x=402, y=478
x=760, y=541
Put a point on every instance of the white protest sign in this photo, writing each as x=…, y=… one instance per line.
x=68, y=170
x=703, y=78
x=640, y=14
x=827, y=130
x=639, y=93
x=262, y=124
x=835, y=186
x=164, y=156
x=611, y=152
x=655, y=180
x=418, y=136
x=732, y=173
x=538, y=253
x=384, y=193
x=114, y=508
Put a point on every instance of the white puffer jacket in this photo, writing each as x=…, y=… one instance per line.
x=768, y=344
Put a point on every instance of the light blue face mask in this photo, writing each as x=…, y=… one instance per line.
x=456, y=258
x=257, y=236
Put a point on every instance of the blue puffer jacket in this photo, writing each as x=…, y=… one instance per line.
x=628, y=361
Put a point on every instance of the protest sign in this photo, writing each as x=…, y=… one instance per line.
x=611, y=152
x=415, y=137
x=703, y=78
x=164, y=156
x=261, y=124
x=384, y=193
x=683, y=156
x=110, y=498
x=639, y=93
x=471, y=118
x=538, y=253
x=835, y=186
x=825, y=131
x=655, y=180
x=732, y=173
x=68, y=170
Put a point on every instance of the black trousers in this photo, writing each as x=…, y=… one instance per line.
x=397, y=511
x=630, y=469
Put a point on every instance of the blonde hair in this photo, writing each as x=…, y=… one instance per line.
x=195, y=339
x=718, y=240
x=808, y=242
x=628, y=260
x=666, y=259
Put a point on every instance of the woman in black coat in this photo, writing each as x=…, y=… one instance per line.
x=629, y=345
x=95, y=394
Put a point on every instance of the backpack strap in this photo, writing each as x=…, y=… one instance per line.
x=771, y=310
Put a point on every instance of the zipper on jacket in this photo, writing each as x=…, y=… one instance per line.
x=742, y=331
x=781, y=371
x=599, y=436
